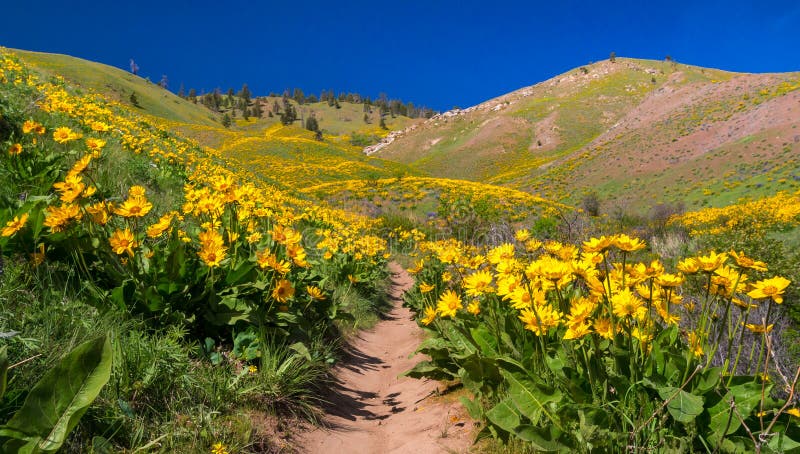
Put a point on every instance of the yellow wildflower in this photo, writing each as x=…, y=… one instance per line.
x=134, y=207
x=219, y=448
x=711, y=262
x=430, y=315
x=122, y=242
x=212, y=249
x=478, y=283
x=161, y=226
x=283, y=291
x=746, y=262
x=628, y=244
x=15, y=225
x=15, y=149
x=770, y=288
x=626, y=304
x=598, y=245
x=449, y=303
x=315, y=293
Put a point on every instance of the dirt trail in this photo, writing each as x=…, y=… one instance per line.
x=375, y=410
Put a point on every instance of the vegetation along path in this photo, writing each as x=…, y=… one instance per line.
x=373, y=409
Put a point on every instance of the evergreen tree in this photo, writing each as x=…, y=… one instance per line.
x=366, y=118
x=245, y=93
x=226, y=120
x=383, y=124
x=134, y=100
x=182, y=91
x=298, y=96
x=257, y=111
x=246, y=113
x=318, y=135
x=336, y=104
x=163, y=83
x=613, y=57
x=193, y=95
x=311, y=123
x=289, y=114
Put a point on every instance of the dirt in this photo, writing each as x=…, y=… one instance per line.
x=373, y=409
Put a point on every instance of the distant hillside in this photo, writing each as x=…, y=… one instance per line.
x=118, y=85
x=637, y=132
x=288, y=157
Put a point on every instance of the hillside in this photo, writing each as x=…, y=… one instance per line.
x=117, y=85
x=262, y=147
x=703, y=136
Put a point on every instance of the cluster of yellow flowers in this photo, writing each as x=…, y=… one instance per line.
x=542, y=281
x=782, y=209
x=222, y=210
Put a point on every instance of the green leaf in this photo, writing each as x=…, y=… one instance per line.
x=3, y=370
x=531, y=397
x=56, y=403
x=240, y=274
x=301, y=349
x=426, y=369
x=473, y=407
x=746, y=396
x=504, y=416
x=783, y=443
x=541, y=438
x=485, y=341
x=707, y=380
x=683, y=406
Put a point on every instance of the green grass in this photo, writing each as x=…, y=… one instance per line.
x=118, y=85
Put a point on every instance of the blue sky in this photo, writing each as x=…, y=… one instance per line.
x=435, y=53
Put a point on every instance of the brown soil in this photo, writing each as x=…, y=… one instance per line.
x=375, y=410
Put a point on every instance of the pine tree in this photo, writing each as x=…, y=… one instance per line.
x=134, y=100
x=193, y=95
x=245, y=93
x=312, y=124
x=226, y=120
x=383, y=124
x=289, y=114
x=182, y=91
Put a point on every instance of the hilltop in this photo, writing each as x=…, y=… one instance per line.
x=261, y=146
x=696, y=135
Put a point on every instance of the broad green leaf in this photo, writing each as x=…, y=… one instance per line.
x=683, y=406
x=426, y=369
x=56, y=403
x=531, y=397
x=504, y=416
x=485, y=340
x=239, y=274
x=540, y=438
x=707, y=380
x=301, y=349
x=784, y=443
x=747, y=396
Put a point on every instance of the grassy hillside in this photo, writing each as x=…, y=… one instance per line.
x=259, y=146
x=698, y=135
x=118, y=85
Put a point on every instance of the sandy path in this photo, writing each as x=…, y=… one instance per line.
x=373, y=409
